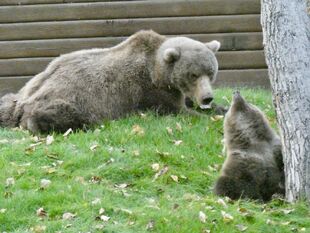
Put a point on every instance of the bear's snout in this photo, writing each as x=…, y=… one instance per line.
x=206, y=100
x=203, y=93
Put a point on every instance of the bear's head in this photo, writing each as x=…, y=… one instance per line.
x=189, y=66
x=245, y=124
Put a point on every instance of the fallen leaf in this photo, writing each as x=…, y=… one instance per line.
x=241, y=227
x=217, y=117
x=96, y=201
x=177, y=142
x=38, y=229
x=202, y=217
x=93, y=147
x=2, y=211
x=99, y=226
x=143, y=115
x=101, y=211
x=227, y=218
x=67, y=132
x=137, y=129
x=175, y=178
x=169, y=130
x=155, y=167
x=49, y=140
x=222, y=202
x=4, y=141
x=136, y=153
x=178, y=127
x=121, y=186
x=163, y=154
x=285, y=223
x=51, y=170
x=97, y=132
x=303, y=229
x=9, y=182
x=288, y=211
x=95, y=180
x=163, y=171
x=41, y=212
x=104, y=218
x=270, y=222
x=68, y=216
x=129, y=212
x=130, y=223
x=150, y=226
x=44, y=183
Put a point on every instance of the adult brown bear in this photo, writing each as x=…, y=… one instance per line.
x=254, y=165
x=146, y=71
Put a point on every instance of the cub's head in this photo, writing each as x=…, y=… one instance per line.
x=189, y=66
x=245, y=125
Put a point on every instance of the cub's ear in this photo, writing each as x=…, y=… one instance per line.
x=171, y=55
x=213, y=45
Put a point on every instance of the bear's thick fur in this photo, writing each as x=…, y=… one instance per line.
x=254, y=167
x=146, y=71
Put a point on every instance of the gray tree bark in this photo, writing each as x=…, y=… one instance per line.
x=286, y=30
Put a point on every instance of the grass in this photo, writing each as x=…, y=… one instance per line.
x=117, y=175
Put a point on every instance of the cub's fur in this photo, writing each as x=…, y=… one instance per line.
x=253, y=168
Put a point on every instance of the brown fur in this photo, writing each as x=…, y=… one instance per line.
x=146, y=71
x=254, y=166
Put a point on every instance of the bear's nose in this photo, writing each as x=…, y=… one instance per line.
x=207, y=100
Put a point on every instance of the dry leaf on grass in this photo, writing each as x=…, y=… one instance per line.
x=99, y=226
x=136, y=153
x=202, y=217
x=41, y=212
x=121, y=186
x=44, y=183
x=155, y=167
x=175, y=178
x=178, y=127
x=2, y=211
x=288, y=211
x=93, y=147
x=169, y=130
x=270, y=222
x=68, y=216
x=38, y=229
x=163, y=171
x=9, y=182
x=217, y=118
x=162, y=154
x=95, y=180
x=101, y=211
x=96, y=201
x=227, y=218
x=67, y=132
x=138, y=130
x=104, y=218
x=222, y=202
x=150, y=226
x=177, y=142
x=49, y=140
x=241, y=227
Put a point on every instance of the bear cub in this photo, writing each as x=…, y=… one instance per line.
x=253, y=168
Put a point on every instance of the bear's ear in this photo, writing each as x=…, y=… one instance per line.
x=171, y=55
x=214, y=45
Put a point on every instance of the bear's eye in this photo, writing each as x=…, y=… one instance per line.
x=194, y=76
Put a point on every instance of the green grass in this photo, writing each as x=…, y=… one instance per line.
x=125, y=157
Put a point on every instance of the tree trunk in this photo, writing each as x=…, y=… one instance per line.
x=286, y=30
